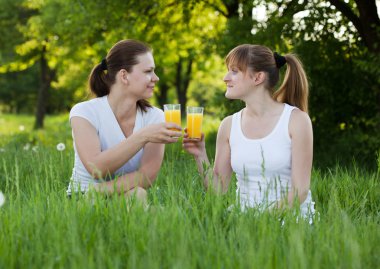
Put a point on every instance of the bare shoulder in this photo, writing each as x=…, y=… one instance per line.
x=79, y=124
x=299, y=122
x=225, y=127
x=226, y=122
x=78, y=121
x=299, y=117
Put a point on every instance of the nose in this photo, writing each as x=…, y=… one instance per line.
x=226, y=78
x=155, y=78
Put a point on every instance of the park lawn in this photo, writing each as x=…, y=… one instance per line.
x=184, y=226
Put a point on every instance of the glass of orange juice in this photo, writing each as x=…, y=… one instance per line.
x=194, y=122
x=173, y=113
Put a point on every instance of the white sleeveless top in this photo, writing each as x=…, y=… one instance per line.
x=100, y=115
x=263, y=166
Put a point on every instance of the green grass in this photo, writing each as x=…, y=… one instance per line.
x=184, y=227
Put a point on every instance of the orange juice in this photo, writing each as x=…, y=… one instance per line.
x=194, y=125
x=173, y=116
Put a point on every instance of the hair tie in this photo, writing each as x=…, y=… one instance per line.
x=103, y=64
x=280, y=60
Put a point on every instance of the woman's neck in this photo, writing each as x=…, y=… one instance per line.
x=122, y=106
x=260, y=103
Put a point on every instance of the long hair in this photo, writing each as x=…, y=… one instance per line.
x=294, y=89
x=123, y=55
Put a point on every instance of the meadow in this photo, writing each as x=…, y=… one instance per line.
x=184, y=225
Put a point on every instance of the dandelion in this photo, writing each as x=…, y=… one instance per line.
x=2, y=150
x=27, y=146
x=21, y=128
x=61, y=147
x=2, y=199
x=35, y=148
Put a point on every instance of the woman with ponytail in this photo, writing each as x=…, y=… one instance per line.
x=118, y=136
x=269, y=143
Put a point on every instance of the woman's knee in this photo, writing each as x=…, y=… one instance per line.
x=138, y=192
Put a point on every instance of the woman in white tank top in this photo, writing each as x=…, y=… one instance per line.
x=119, y=137
x=269, y=143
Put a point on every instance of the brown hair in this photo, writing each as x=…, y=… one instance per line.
x=294, y=89
x=123, y=55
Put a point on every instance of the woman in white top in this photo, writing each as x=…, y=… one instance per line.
x=269, y=143
x=119, y=137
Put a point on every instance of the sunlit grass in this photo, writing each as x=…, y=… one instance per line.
x=17, y=131
x=184, y=226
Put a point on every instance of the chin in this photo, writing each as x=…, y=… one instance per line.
x=148, y=95
x=230, y=96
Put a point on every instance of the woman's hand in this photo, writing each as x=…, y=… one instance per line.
x=197, y=148
x=164, y=133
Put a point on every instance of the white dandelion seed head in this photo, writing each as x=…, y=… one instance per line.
x=61, y=147
x=35, y=148
x=27, y=146
x=21, y=128
x=2, y=150
x=2, y=199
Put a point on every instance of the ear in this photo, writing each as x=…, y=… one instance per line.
x=259, y=77
x=123, y=75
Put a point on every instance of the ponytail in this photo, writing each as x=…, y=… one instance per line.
x=98, y=81
x=294, y=90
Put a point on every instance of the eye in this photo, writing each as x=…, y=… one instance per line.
x=149, y=70
x=233, y=69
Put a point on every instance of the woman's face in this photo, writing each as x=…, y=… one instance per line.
x=238, y=83
x=142, y=78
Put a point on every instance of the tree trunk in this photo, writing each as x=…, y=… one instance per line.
x=182, y=82
x=371, y=24
x=367, y=23
x=43, y=90
x=162, y=96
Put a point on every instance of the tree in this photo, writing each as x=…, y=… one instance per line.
x=361, y=13
x=33, y=45
x=179, y=33
x=365, y=19
x=191, y=30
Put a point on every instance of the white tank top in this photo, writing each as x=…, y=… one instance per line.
x=99, y=114
x=263, y=166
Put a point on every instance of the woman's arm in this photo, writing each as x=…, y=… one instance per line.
x=301, y=133
x=218, y=178
x=99, y=163
x=144, y=177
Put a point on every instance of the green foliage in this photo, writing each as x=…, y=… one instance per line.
x=17, y=90
x=80, y=34
x=344, y=102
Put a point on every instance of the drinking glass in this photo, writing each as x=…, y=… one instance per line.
x=173, y=113
x=194, y=122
